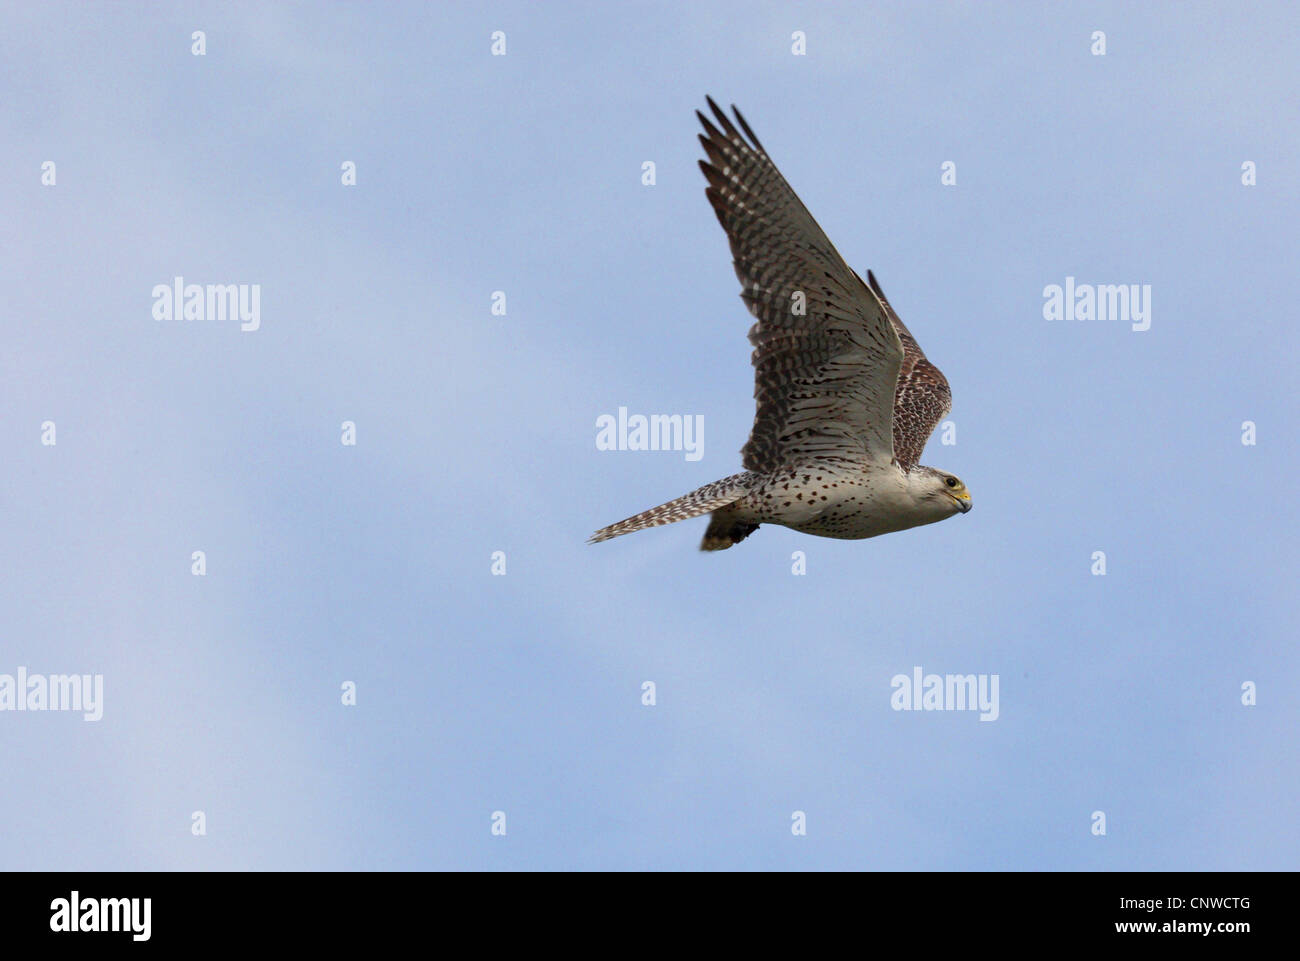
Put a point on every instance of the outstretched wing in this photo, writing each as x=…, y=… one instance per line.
x=826, y=356
x=922, y=397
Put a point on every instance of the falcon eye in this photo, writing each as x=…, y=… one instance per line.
x=952, y=482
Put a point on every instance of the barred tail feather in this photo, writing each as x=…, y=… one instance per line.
x=707, y=499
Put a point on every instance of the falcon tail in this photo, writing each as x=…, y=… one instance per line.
x=724, y=530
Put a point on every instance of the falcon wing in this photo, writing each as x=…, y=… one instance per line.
x=825, y=370
x=922, y=398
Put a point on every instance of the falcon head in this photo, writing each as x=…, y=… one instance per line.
x=941, y=491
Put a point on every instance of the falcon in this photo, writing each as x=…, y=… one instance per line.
x=845, y=397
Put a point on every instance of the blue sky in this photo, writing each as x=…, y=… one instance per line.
x=476, y=433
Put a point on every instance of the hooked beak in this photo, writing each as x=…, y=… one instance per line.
x=963, y=502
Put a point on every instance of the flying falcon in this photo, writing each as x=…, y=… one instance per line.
x=846, y=399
